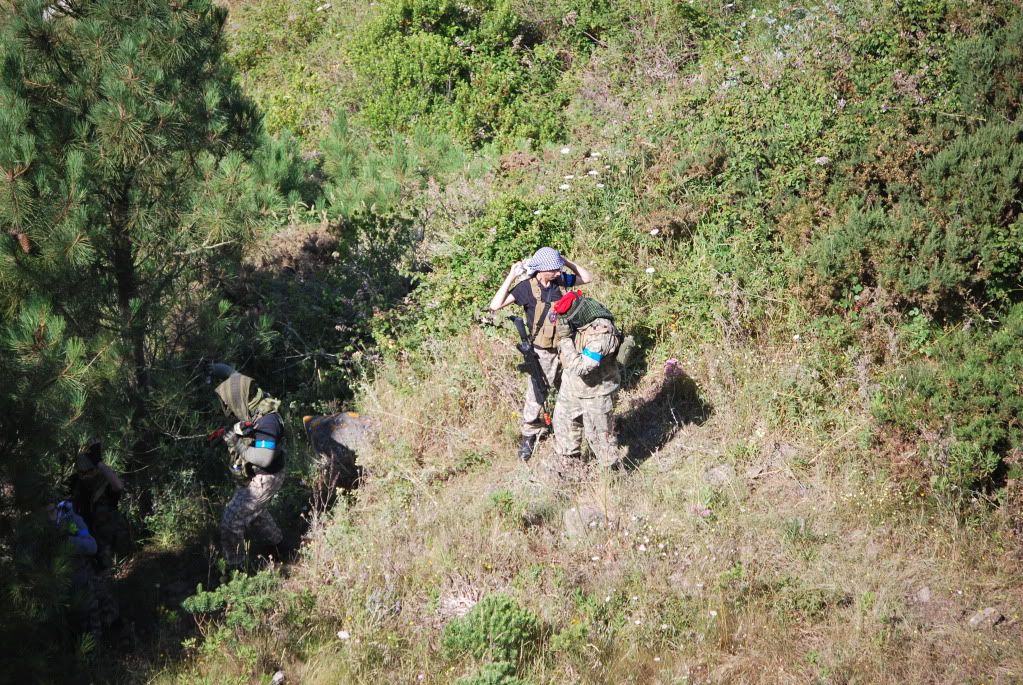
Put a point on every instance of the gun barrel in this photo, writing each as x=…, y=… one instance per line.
x=532, y=362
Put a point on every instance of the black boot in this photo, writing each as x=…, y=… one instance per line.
x=527, y=447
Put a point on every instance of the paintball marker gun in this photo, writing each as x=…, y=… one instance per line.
x=531, y=366
x=241, y=429
x=238, y=467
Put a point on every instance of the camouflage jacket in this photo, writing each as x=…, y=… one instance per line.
x=589, y=367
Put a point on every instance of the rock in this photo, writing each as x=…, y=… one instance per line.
x=923, y=595
x=755, y=471
x=335, y=439
x=582, y=518
x=986, y=618
x=719, y=475
x=785, y=450
x=278, y=678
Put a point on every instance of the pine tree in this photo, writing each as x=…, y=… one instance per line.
x=123, y=176
x=125, y=188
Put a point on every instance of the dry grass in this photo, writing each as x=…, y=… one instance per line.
x=742, y=550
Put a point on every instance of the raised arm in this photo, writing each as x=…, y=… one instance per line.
x=501, y=298
x=112, y=478
x=581, y=271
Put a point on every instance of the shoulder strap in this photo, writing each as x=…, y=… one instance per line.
x=539, y=316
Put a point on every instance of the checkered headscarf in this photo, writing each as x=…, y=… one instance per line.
x=545, y=259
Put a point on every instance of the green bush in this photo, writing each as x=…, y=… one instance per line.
x=989, y=68
x=494, y=673
x=496, y=627
x=469, y=69
x=243, y=601
x=363, y=177
x=963, y=407
x=960, y=241
x=274, y=47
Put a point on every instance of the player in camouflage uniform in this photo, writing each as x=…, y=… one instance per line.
x=536, y=284
x=256, y=443
x=590, y=378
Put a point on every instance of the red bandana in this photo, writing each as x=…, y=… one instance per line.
x=565, y=303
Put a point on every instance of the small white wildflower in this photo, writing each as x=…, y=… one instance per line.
x=343, y=635
x=823, y=160
x=657, y=658
x=600, y=185
x=608, y=598
x=795, y=338
x=537, y=213
x=566, y=150
x=569, y=177
x=654, y=231
x=660, y=546
x=664, y=626
x=642, y=548
x=650, y=269
x=712, y=613
x=593, y=172
x=635, y=597
x=594, y=154
x=594, y=558
x=564, y=186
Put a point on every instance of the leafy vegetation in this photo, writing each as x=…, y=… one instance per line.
x=496, y=627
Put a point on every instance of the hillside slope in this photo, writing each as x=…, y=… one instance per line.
x=809, y=216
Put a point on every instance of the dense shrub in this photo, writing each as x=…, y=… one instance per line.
x=494, y=673
x=989, y=67
x=496, y=627
x=242, y=601
x=469, y=69
x=963, y=407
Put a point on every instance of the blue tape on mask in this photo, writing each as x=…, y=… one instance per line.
x=595, y=356
x=268, y=444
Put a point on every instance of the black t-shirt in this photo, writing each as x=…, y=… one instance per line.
x=523, y=294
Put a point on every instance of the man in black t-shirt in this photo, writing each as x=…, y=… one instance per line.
x=536, y=284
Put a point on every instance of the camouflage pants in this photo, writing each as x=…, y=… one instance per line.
x=247, y=508
x=110, y=529
x=532, y=406
x=86, y=613
x=592, y=416
x=103, y=589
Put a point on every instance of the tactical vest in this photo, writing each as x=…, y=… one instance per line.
x=543, y=326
